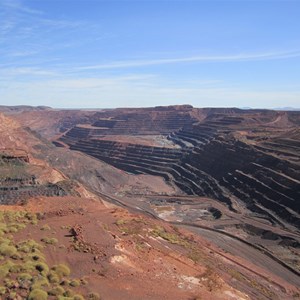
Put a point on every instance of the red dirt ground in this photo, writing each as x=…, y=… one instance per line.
x=120, y=258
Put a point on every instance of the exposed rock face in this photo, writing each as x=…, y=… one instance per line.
x=22, y=176
x=234, y=156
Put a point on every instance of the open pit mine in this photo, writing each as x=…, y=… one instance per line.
x=155, y=203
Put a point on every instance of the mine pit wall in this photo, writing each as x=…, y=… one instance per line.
x=13, y=156
x=141, y=123
x=210, y=162
x=16, y=189
x=238, y=167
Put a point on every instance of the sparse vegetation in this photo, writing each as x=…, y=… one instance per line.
x=75, y=283
x=78, y=297
x=94, y=296
x=2, y=290
x=45, y=227
x=56, y=291
x=173, y=238
x=38, y=294
x=7, y=250
x=24, y=271
x=61, y=270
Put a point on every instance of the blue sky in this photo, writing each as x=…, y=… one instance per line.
x=92, y=53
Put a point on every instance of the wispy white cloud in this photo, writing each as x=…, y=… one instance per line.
x=31, y=71
x=19, y=6
x=22, y=53
x=212, y=58
x=136, y=90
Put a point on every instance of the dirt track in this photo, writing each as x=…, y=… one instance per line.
x=256, y=257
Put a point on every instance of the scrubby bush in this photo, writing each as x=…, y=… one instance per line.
x=17, y=268
x=42, y=268
x=64, y=298
x=94, y=296
x=29, y=246
x=39, y=282
x=61, y=270
x=78, y=297
x=4, y=269
x=15, y=227
x=37, y=294
x=56, y=291
x=7, y=250
x=75, y=283
x=68, y=293
x=35, y=257
x=28, y=266
x=53, y=277
x=2, y=290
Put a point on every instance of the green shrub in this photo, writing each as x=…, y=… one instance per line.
x=78, y=297
x=39, y=282
x=94, y=296
x=4, y=269
x=7, y=250
x=17, y=268
x=53, y=277
x=75, y=283
x=42, y=268
x=38, y=294
x=35, y=257
x=65, y=282
x=2, y=290
x=15, y=227
x=56, y=291
x=29, y=246
x=64, y=298
x=61, y=270
x=3, y=227
x=68, y=293
x=28, y=266
x=24, y=249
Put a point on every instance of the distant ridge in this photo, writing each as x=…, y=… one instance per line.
x=21, y=108
x=287, y=108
